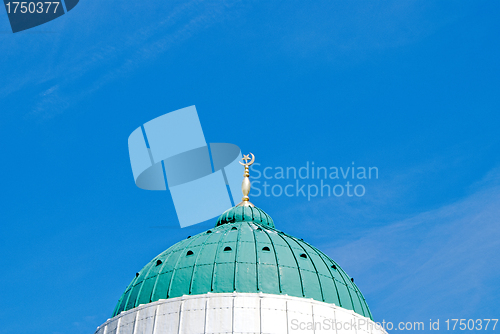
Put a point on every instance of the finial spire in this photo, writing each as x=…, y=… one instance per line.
x=245, y=185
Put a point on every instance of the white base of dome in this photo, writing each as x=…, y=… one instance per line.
x=238, y=313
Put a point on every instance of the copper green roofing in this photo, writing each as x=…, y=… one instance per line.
x=245, y=214
x=243, y=253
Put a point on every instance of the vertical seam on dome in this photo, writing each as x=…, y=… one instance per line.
x=340, y=270
x=159, y=272
x=254, y=216
x=238, y=242
x=130, y=293
x=362, y=300
x=217, y=255
x=132, y=287
x=317, y=273
x=120, y=301
x=297, y=262
x=276, y=257
x=367, y=307
x=144, y=281
x=118, y=305
x=240, y=210
x=348, y=290
x=195, y=260
x=176, y=264
x=333, y=278
x=221, y=218
x=268, y=218
x=256, y=256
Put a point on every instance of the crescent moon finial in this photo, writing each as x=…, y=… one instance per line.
x=253, y=159
x=246, y=158
x=245, y=186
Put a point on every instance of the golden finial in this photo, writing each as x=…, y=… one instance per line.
x=245, y=185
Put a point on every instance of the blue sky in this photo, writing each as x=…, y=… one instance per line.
x=406, y=86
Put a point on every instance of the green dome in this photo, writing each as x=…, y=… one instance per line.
x=243, y=253
x=245, y=214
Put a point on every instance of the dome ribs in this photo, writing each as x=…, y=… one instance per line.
x=217, y=253
x=169, y=251
x=314, y=266
x=256, y=258
x=136, y=287
x=344, y=282
x=244, y=253
x=277, y=261
x=330, y=272
x=143, y=283
x=296, y=262
x=169, y=289
x=238, y=242
x=193, y=273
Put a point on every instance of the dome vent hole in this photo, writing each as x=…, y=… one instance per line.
x=209, y=231
x=233, y=228
x=227, y=249
x=158, y=262
x=334, y=266
x=266, y=249
x=304, y=256
x=189, y=253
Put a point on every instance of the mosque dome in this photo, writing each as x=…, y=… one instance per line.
x=243, y=253
x=242, y=276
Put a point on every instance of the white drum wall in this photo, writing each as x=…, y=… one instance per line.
x=238, y=313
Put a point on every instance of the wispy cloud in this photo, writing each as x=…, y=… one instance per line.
x=96, y=52
x=438, y=263
x=93, y=62
x=355, y=32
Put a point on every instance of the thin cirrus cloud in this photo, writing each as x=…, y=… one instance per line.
x=89, y=58
x=91, y=65
x=440, y=263
x=343, y=33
